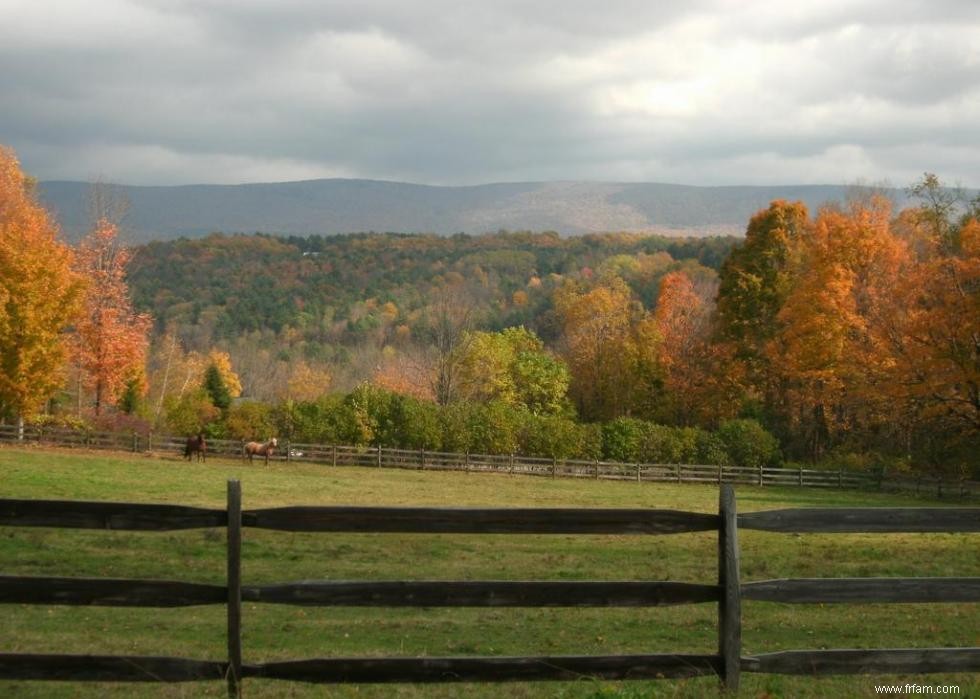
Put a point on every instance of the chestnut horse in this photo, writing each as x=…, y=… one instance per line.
x=198, y=445
x=252, y=448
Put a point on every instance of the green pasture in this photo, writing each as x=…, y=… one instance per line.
x=281, y=632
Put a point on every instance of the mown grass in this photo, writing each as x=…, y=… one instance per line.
x=280, y=632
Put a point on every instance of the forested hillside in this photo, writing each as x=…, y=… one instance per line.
x=848, y=334
x=326, y=298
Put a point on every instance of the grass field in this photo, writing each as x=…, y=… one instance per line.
x=280, y=632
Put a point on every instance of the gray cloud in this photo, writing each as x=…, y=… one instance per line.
x=162, y=92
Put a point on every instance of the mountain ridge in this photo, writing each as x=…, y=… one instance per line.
x=345, y=205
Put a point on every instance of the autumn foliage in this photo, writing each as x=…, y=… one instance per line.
x=39, y=294
x=110, y=337
x=848, y=333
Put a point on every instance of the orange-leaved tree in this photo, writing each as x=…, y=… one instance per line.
x=39, y=295
x=937, y=361
x=110, y=337
x=831, y=352
x=700, y=377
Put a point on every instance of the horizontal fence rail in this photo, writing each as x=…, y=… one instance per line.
x=108, y=515
x=108, y=668
x=727, y=664
x=494, y=593
x=422, y=459
x=867, y=520
x=108, y=592
x=495, y=669
x=906, y=661
x=863, y=590
x=426, y=520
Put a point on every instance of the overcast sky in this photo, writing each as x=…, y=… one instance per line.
x=459, y=92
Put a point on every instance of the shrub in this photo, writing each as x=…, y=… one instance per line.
x=65, y=421
x=711, y=449
x=748, y=443
x=250, y=420
x=416, y=423
x=494, y=428
x=551, y=436
x=590, y=445
x=622, y=439
x=194, y=413
x=326, y=420
x=667, y=445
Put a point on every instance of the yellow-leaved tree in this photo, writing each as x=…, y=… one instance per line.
x=599, y=344
x=39, y=296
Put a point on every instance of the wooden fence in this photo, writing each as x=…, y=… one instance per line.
x=727, y=663
x=422, y=459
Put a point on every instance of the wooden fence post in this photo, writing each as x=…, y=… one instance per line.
x=554, y=466
x=637, y=472
x=333, y=458
x=761, y=479
x=466, y=462
x=840, y=478
x=422, y=457
x=801, y=475
x=597, y=469
x=512, y=462
x=136, y=442
x=378, y=462
x=730, y=604
x=234, y=588
x=678, y=473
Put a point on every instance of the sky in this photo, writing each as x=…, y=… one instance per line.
x=458, y=92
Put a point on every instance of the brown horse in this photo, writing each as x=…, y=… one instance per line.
x=250, y=449
x=198, y=445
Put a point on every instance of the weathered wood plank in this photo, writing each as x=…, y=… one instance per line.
x=234, y=589
x=487, y=669
x=865, y=519
x=730, y=605
x=870, y=590
x=479, y=521
x=865, y=662
x=108, y=668
x=107, y=592
x=107, y=515
x=482, y=594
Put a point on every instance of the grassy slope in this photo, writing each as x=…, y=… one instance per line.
x=290, y=632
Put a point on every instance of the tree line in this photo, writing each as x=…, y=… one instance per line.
x=850, y=335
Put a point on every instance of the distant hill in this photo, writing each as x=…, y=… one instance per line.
x=344, y=206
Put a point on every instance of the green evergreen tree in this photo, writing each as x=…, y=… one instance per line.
x=216, y=388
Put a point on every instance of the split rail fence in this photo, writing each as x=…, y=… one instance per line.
x=727, y=663
x=423, y=459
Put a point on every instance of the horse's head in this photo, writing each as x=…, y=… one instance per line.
x=274, y=442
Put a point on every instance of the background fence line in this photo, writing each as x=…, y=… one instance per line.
x=423, y=459
x=727, y=664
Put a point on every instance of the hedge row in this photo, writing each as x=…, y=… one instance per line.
x=372, y=416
